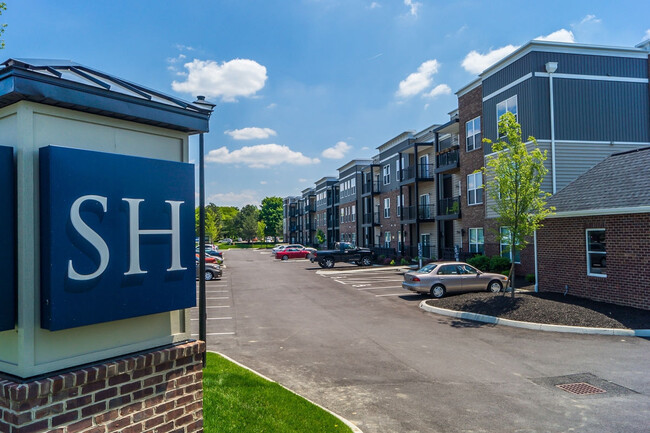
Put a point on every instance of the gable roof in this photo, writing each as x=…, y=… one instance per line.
x=618, y=184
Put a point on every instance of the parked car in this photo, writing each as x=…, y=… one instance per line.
x=342, y=252
x=281, y=247
x=292, y=253
x=212, y=271
x=214, y=252
x=438, y=279
x=208, y=259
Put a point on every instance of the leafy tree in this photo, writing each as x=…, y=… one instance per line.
x=246, y=222
x=228, y=215
x=3, y=7
x=320, y=237
x=212, y=221
x=261, y=227
x=516, y=187
x=271, y=214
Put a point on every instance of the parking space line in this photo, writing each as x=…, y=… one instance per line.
x=220, y=306
x=396, y=294
x=376, y=288
x=220, y=297
x=215, y=318
x=220, y=333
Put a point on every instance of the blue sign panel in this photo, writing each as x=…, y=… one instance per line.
x=7, y=239
x=117, y=237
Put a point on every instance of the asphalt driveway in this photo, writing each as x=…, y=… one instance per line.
x=357, y=344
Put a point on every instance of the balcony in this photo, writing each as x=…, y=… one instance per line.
x=426, y=212
x=293, y=212
x=370, y=187
x=426, y=171
x=293, y=228
x=371, y=218
x=309, y=208
x=449, y=208
x=408, y=213
x=447, y=159
x=407, y=174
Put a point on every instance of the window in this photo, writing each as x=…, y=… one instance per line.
x=399, y=241
x=504, y=246
x=474, y=188
x=400, y=203
x=397, y=170
x=476, y=242
x=510, y=105
x=386, y=174
x=354, y=210
x=424, y=166
x=596, y=253
x=473, y=134
x=387, y=207
x=387, y=240
x=342, y=215
x=448, y=270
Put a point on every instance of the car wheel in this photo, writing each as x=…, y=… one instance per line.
x=285, y=257
x=321, y=264
x=208, y=275
x=438, y=291
x=306, y=256
x=495, y=286
x=365, y=261
x=328, y=262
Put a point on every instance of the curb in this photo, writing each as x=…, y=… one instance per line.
x=535, y=326
x=353, y=427
x=397, y=269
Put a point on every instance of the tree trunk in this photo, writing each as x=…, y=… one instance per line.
x=512, y=279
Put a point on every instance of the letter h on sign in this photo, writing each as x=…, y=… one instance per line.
x=99, y=263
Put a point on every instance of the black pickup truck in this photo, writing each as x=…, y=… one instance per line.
x=343, y=252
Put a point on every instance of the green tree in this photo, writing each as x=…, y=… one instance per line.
x=3, y=7
x=246, y=222
x=516, y=176
x=261, y=227
x=271, y=214
x=228, y=216
x=212, y=221
x=320, y=237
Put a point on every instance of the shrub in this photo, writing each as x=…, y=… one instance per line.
x=404, y=262
x=392, y=262
x=386, y=261
x=530, y=278
x=381, y=258
x=481, y=262
x=499, y=264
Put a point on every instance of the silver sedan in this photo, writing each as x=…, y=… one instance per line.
x=437, y=279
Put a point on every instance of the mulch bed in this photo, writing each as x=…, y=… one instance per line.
x=548, y=308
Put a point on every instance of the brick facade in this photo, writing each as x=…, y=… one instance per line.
x=562, y=261
x=393, y=223
x=160, y=391
x=346, y=225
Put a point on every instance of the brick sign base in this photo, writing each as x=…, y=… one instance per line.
x=159, y=391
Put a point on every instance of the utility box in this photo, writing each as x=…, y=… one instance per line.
x=98, y=262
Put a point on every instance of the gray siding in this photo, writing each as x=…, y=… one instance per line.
x=574, y=159
x=567, y=64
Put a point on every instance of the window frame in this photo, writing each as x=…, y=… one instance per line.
x=477, y=244
x=502, y=245
x=516, y=112
x=475, y=189
x=386, y=174
x=387, y=207
x=587, y=252
x=475, y=145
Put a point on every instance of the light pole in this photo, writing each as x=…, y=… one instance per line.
x=202, y=103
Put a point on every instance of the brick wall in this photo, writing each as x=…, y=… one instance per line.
x=393, y=223
x=561, y=254
x=160, y=391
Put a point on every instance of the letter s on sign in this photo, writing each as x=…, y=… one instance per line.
x=91, y=236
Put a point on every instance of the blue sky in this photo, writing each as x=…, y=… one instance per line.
x=304, y=86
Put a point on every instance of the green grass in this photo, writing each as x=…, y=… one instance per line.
x=239, y=401
x=246, y=245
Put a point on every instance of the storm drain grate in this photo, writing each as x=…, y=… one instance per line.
x=581, y=388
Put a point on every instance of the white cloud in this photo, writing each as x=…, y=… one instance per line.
x=337, y=151
x=590, y=19
x=182, y=47
x=418, y=81
x=440, y=89
x=238, y=199
x=251, y=133
x=302, y=180
x=271, y=105
x=562, y=35
x=374, y=5
x=365, y=148
x=476, y=63
x=414, y=6
x=238, y=77
x=263, y=182
x=647, y=35
x=260, y=156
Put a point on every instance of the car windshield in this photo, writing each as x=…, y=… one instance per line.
x=426, y=269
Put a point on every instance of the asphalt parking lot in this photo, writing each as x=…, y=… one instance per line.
x=352, y=340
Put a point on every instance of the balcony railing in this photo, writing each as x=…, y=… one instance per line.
x=426, y=212
x=407, y=173
x=428, y=251
x=369, y=187
x=408, y=213
x=293, y=228
x=426, y=171
x=449, y=207
x=447, y=160
x=367, y=218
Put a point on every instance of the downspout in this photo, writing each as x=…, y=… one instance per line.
x=417, y=196
x=551, y=67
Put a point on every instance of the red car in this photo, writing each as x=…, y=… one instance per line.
x=208, y=259
x=292, y=253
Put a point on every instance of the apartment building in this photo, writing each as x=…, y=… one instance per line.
x=327, y=208
x=582, y=103
x=349, y=183
x=290, y=219
x=307, y=217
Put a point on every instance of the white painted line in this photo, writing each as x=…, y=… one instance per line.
x=220, y=297
x=395, y=294
x=215, y=318
x=218, y=291
x=220, y=306
x=360, y=285
x=220, y=333
x=377, y=288
x=341, y=282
